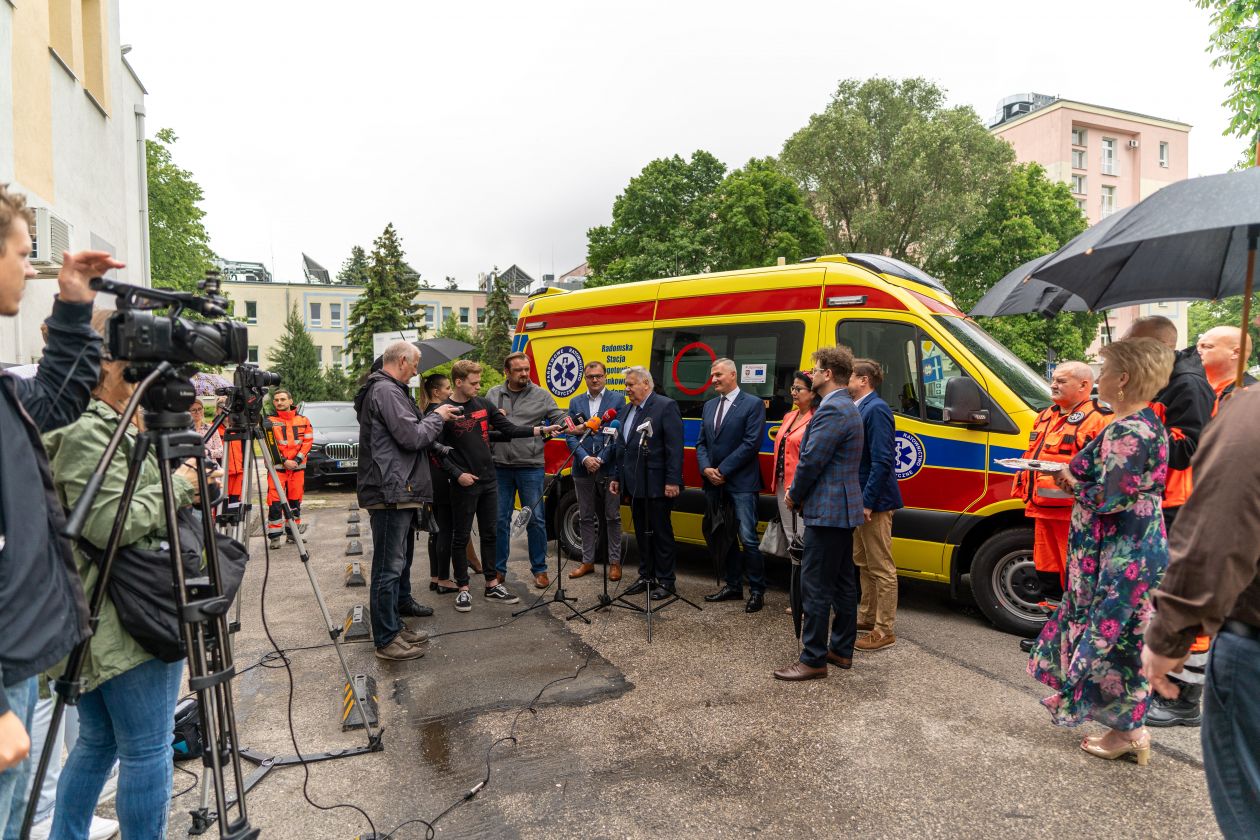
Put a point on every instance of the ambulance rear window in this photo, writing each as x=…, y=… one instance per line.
x=1019, y=377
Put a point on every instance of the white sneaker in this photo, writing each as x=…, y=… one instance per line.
x=102, y=828
x=42, y=829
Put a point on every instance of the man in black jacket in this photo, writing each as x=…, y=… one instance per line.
x=43, y=612
x=394, y=482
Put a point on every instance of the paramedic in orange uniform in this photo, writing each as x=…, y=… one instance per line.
x=293, y=436
x=1061, y=431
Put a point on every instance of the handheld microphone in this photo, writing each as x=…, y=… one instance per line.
x=645, y=428
x=613, y=428
x=594, y=423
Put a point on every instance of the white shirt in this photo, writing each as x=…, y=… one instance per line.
x=593, y=402
x=631, y=414
x=858, y=401
x=729, y=399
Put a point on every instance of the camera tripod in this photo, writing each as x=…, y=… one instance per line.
x=247, y=425
x=165, y=393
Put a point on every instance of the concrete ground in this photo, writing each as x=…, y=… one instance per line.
x=940, y=736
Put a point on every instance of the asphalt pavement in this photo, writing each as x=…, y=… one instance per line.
x=590, y=731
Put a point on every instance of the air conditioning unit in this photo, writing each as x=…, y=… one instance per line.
x=1133, y=144
x=50, y=237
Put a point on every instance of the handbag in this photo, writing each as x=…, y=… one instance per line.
x=774, y=541
x=426, y=522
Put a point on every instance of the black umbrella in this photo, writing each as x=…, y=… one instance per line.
x=1192, y=240
x=435, y=352
x=1019, y=294
x=719, y=527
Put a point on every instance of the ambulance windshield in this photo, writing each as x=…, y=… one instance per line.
x=1019, y=377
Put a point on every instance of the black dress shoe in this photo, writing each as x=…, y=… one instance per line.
x=637, y=588
x=1026, y=645
x=415, y=610
x=726, y=593
x=660, y=593
x=755, y=602
x=442, y=590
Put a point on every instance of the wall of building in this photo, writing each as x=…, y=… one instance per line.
x=273, y=301
x=71, y=138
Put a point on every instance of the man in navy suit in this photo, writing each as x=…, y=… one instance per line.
x=650, y=472
x=827, y=492
x=730, y=438
x=594, y=458
x=872, y=541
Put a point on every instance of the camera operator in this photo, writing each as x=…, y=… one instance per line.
x=43, y=612
x=129, y=695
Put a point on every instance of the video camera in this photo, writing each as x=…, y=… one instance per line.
x=137, y=334
x=245, y=395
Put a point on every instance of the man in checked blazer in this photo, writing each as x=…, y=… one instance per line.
x=827, y=492
x=731, y=429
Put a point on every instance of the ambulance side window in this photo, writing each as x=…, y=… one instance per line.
x=937, y=369
x=766, y=356
x=895, y=346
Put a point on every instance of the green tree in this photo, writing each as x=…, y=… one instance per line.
x=354, y=271
x=296, y=359
x=179, y=246
x=338, y=385
x=496, y=333
x=760, y=215
x=451, y=284
x=1235, y=40
x=452, y=328
x=1227, y=312
x=384, y=306
x=1029, y=215
x=659, y=224
x=889, y=169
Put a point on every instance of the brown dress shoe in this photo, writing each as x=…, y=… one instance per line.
x=584, y=569
x=614, y=573
x=845, y=662
x=875, y=641
x=798, y=671
x=541, y=580
x=398, y=650
x=414, y=637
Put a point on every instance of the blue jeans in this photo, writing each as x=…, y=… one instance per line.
x=13, y=782
x=528, y=482
x=1231, y=735
x=754, y=564
x=828, y=584
x=130, y=717
x=389, y=558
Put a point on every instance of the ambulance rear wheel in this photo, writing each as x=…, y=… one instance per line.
x=1004, y=582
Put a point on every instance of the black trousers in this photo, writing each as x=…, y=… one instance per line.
x=654, y=532
x=481, y=501
x=829, y=590
x=440, y=543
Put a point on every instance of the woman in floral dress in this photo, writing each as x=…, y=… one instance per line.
x=1090, y=649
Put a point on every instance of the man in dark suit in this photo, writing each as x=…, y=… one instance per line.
x=650, y=472
x=730, y=438
x=872, y=541
x=594, y=459
x=827, y=492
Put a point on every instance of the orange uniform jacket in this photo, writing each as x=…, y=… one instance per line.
x=1057, y=435
x=293, y=437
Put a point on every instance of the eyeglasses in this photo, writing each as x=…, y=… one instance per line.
x=796, y=389
x=594, y=376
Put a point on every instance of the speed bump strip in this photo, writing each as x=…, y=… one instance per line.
x=366, y=688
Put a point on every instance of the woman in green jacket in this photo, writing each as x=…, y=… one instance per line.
x=129, y=700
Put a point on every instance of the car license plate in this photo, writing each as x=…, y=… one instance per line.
x=348, y=465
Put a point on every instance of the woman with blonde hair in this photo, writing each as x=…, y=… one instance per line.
x=1090, y=649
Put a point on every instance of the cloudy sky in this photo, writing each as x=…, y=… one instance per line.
x=493, y=133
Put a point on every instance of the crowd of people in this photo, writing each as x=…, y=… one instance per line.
x=1142, y=500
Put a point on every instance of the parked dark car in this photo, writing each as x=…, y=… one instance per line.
x=335, y=452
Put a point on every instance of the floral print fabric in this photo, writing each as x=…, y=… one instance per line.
x=1090, y=649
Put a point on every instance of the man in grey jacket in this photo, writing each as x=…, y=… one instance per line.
x=394, y=482
x=519, y=463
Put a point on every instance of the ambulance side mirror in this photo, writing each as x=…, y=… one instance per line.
x=964, y=403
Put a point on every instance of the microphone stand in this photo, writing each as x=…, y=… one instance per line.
x=559, y=596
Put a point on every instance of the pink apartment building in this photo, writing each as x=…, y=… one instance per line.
x=1111, y=158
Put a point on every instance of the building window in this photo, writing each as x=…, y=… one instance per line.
x=1109, y=156
x=516, y=314
x=252, y=356
x=1078, y=159
x=251, y=312
x=463, y=314
x=429, y=316
x=1080, y=205
x=481, y=314
x=1163, y=155
x=337, y=360
x=446, y=313
x=1078, y=184
x=1108, y=205
x=316, y=318
x=319, y=354
x=1078, y=137
x=334, y=314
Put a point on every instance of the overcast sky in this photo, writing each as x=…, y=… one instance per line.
x=493, y=133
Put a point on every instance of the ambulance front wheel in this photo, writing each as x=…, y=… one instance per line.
x=568, y=525
x=1004, y=582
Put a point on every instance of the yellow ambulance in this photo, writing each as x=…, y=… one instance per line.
x=961, y=400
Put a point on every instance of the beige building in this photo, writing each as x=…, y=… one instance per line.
x=325, y=311
x=71, y=139
x=1110, y=158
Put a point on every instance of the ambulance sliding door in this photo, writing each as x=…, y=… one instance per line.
x=940, y=468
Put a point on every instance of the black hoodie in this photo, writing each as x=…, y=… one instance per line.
x=1185, y=405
